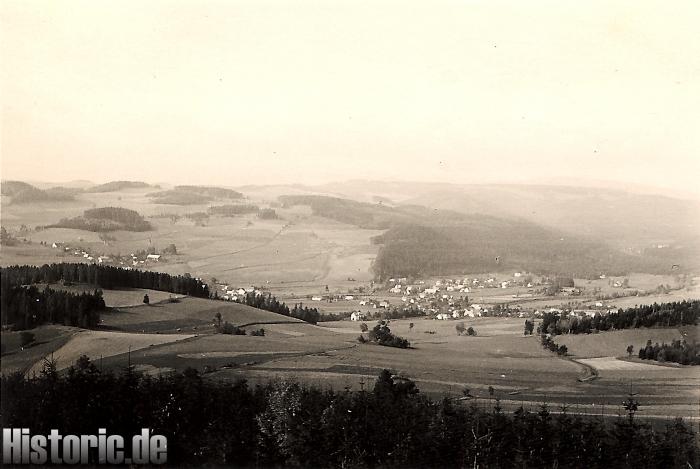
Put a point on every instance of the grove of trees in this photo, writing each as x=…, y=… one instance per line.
x=678, y=351
x=677, y=313
x=106, y=219
x=24, y=305
x=272, y=304
x=103, y=276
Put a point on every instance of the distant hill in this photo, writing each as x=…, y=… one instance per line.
x=106, y=219
x=616, y=217
x=115, y=186
x=193, y=195
x=23, y=193
x=12, y=188
x=210, y=191
x=425, y=241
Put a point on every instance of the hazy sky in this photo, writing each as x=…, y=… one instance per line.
x=240, y=92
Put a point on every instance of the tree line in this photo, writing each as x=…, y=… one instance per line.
x=270, y=303
x=103, y=276
x=673, y=314
x=106, y=219
x=678, y=351
x=287, y=424
x=28, y=307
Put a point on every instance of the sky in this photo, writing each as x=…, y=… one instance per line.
x=264, y=92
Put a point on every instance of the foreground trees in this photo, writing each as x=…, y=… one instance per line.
x=288, y=424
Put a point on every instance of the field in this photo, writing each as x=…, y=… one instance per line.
x=174, y=336
x=614, y=343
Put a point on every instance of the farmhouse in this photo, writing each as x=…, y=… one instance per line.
x=153, y=257
x=316, y=298
x=357, y=316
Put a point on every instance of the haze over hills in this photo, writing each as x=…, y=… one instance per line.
x=432, y=228
x=618, y=217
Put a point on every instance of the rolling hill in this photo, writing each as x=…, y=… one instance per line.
x=421, y=241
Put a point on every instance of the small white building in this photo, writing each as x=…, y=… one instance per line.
x=153, y=257
x=349, y=297
x=316, y=298
x=357, y=316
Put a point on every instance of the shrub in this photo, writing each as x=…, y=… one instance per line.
x=381, y=334
x=230, y=329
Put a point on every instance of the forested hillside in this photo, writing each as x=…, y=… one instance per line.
x=106, y=219
x=23, y=193
x=422, y=241
x=114, y=186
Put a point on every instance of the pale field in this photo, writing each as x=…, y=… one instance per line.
x=615, y=364
x=192, y=314
x=97, y=344
x=614, y=343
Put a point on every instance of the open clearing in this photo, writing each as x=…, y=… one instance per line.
x=615, y=364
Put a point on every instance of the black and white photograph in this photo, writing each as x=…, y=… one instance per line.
x=350, y=234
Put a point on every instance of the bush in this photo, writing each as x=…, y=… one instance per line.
x=471, y=331
x=230, y=329
x=258, y=333
x=381, y=334
x=460, y=328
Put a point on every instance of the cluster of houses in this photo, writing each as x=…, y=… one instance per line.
x=229, y=293
x=134, y=259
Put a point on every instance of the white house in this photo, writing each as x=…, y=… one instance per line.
x=363, y=302
x=316, y=298
x=153, y=257
x=357, y=316
x=349, y=297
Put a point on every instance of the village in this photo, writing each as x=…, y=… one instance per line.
x=444, y=299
